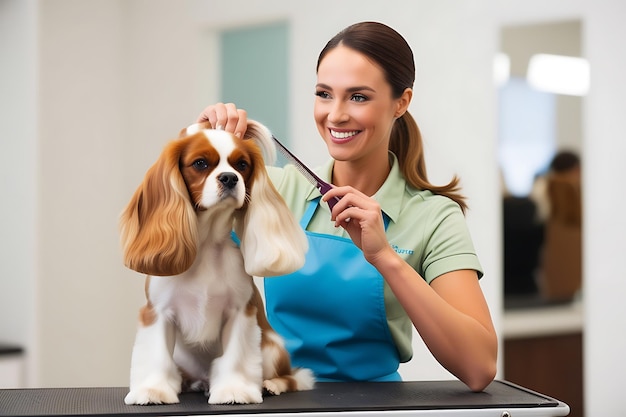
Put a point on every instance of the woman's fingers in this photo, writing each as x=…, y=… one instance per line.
x=226, y=116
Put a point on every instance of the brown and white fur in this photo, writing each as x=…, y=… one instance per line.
x=204, y=326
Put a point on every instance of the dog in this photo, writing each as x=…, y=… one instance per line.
x=203, y=327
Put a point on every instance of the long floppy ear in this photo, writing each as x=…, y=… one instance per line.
x=159, y=225
x=272, y=241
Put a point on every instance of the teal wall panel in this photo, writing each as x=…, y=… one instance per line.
x=255, y=73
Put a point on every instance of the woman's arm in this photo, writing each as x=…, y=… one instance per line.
x=451, y=316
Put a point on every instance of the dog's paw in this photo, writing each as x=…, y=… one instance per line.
x=235, y=393
x=274, y=386
x=162, y=394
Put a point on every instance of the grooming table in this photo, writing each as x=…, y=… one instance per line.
x=358, y=399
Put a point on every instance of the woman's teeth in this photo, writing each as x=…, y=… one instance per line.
x=343, y=135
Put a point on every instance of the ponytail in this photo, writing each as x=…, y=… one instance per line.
x=406, y=143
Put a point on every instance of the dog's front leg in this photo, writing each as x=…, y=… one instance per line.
x=237, y=375
x=154, y=377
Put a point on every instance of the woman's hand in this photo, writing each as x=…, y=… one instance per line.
x=361, y=217
x=226, y=117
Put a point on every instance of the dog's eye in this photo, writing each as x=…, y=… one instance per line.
x=200, y=164
x=242, y=165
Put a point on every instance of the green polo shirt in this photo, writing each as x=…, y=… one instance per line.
x=427, y=230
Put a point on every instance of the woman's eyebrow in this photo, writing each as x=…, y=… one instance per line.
x=350, y=90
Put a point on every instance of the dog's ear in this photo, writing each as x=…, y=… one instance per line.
x=272, y=241
x=159, y=225
x=263, y=138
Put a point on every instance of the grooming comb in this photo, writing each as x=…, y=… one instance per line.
x=320, y=184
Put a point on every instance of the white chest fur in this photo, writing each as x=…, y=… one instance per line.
x=201, y=300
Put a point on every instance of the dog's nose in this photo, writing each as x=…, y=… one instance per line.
x=228, y=180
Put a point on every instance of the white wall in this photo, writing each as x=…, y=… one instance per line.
x=18, y=170
x=117, y=78
x=116, y=82
x=605, y=223
x=84, y=312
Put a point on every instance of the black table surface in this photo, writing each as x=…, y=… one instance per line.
x=326, y=397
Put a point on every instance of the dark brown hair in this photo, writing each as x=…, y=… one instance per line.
x=387, y=48
x=565, y=161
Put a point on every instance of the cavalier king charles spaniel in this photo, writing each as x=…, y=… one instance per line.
x=203, y=326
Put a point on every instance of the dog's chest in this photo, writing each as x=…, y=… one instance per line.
x=202, y=299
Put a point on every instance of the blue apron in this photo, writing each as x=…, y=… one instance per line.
x=331, y=312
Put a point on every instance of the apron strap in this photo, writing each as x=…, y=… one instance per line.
x=308, y=214
x=235, y=238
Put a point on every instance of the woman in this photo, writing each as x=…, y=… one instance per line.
x=396, y=249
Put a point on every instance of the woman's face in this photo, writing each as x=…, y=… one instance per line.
x=354, y=109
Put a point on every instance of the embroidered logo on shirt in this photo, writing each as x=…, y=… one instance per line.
x=402, y=251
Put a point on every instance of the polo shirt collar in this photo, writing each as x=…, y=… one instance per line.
x=389, y=195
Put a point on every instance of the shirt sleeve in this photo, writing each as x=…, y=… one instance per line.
x=447, y=244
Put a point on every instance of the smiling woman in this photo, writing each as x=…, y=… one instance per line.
x=358, y=293
x=355, y=111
